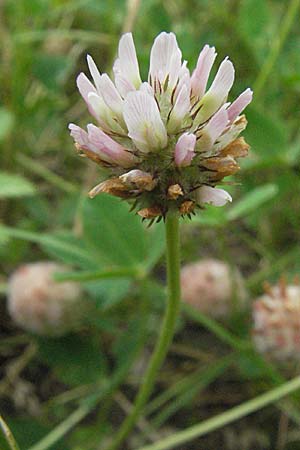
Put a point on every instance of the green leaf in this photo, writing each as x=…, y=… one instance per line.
x=6, y=123
x=13, y=185
x=115, y=234
x=66, y=248
x=74, y=359
x=108, y=293
x=253, y=200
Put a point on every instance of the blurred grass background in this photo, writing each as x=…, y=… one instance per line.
x=43, y=183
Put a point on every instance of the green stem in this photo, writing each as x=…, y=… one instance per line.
x=224, y=419
x=167, y=329
x=278, y=43
x=8, y=435
x=122, y=272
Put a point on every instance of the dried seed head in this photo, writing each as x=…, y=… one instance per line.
x=212, y=287
x=39, y=304
x=276, y=327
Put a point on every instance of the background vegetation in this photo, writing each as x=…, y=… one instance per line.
x=71, y=393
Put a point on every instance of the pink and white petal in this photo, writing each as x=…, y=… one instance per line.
x=184, y=150
x=212, y=196
x=79, y=135
x=85, y=87
x=110, y=94
x=239, y=104
x=144, y=123
x=94, y=72
x=165, y=59
x=217, y=93
x=108, y=149
x=145, y=87
x=201, y=73
x=127, y=63
x=179, y=111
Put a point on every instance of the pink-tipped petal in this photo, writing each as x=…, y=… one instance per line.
x=239, y=104
x=201, y=73
x=126, y=67
x=144, y=123
x=213, y=196
x=108, y=149
x=184, y=150
x=79, y=135
x=85, y=87
x=165, y=59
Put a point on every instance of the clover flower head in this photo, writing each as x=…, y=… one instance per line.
x=213, y=287
x=39, y=304
x=166, y=142
x=276, y=316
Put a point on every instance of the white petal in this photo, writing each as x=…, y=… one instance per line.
x=213, y=196
x=103, y=114
x=179, y=111
x=126, y=68
x=110, y=94
x=183, y=79
x=201, y=73
x=165, y=59
x=217, y=93
x=94, y=72
x=239, y=104
x=215, y=127
x=144, y=123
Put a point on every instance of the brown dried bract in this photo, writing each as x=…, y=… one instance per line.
x=174, y=191
x=91, y=155
x=137, y=179
x=187, y=207
x=237, y=148
x=113, y=186
x=224, y=164
x=150, y=213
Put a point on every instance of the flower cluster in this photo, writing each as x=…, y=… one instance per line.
x=276, y=315
x=166, y=142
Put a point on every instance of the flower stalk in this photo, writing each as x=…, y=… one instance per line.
x=167, y=329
